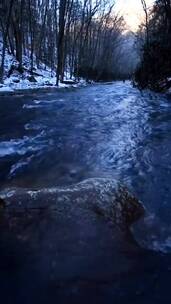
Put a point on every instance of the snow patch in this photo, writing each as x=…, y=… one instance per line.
x=44, y=77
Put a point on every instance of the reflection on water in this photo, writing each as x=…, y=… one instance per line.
x=99, y=131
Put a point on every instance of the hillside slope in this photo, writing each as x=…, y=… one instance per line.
x=42, y=76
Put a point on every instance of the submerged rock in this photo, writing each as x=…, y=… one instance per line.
x=68, y=241
x=102, y=197
x=2, y=204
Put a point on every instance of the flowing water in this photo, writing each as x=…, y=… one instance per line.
x=105, y=130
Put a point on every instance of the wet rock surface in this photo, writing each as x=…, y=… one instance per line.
x=66, y=245
x=66, y=240
x=102, y=196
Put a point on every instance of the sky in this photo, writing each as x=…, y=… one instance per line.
x=132, y=11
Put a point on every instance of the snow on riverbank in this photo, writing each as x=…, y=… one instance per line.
x=43, y=76
x=12, y=84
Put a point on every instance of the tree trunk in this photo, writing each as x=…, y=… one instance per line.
x=62, y=11
x=5, y=34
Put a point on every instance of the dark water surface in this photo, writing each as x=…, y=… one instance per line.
x=106, y=130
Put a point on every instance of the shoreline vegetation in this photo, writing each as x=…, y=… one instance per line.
x=70, y=41
x=154, y=43
x=62, y=40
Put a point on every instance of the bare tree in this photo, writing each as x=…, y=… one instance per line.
x=5, y=34
x=144, y=4
x=62, y=12
x=76, y=36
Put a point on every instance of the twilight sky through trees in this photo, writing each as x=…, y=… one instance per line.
x=132, y=11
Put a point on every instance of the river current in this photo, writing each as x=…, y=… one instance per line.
x=107, y=130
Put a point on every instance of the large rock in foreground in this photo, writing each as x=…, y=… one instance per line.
x=101, y=196
x=67, y=245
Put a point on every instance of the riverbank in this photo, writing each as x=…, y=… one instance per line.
x=6, y=91
x=42, y=78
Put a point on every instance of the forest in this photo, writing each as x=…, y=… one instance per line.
x=87, y=39
x=83, y=38
x=154, y=42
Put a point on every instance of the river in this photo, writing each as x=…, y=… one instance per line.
x=109, y=130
